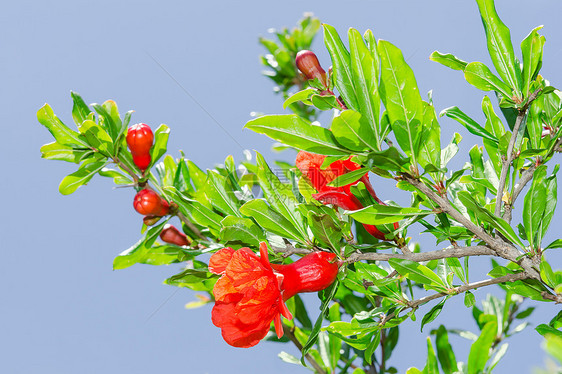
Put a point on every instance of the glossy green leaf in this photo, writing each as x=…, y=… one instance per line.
x=545, y=330
x=341, y=63
x=57, y=151
x=554, y=346
x=480, y=349
x=455, y=265
x=555, y=244
x=445, y=352
x=430, y=144
x=97, y=137
x=480, y=76
x=80, y=110
x=303, y=96
x=221, y=195
x=348, y=178
x=547, y=275
x=279, y=195
x=382, y=214
x=400, y=95
x=499, y=45
x=160, y=146
x=118, y=177
x=62, y=134
x=431, y=366
x=364, y=71
x=195, y=211
x=270, y=219
x=416, y=272
x=334, y=314
x=244, y=230
x=297, y=132
x=471, y=125
x=324, y=229
x=534, y=206
x=389, y=159
x=532, y=50
x=469, y=299
x=352, y=133
x=109, y=118
x=551, y=185
x=486, y=216
x=448, y=60
x=432, y=314
x=80, y=177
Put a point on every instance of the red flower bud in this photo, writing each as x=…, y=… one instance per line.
x=142, y=161
x=139, y=140
x=148, y=202
x=308, y=64
x=151, y=220
x=173, y=236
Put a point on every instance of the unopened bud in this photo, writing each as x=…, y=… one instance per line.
x=151, y=220
x=308, y=64
x=173, y=236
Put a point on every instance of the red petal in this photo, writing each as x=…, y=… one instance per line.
x=278, y=325
x=340, y=199
x=220, y=259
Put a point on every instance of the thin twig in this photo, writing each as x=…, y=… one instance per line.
x=190, y=225
x=291, y=335
x=548, y=296
x=119, y=163
x=526, y=177
x=509, y=155
x=458, y=252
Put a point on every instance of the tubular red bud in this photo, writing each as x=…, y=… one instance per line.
x=140, y=139
x=151, y=220
x=148, y=202
x=308, y=64
x=142, y=161
x=173, y=236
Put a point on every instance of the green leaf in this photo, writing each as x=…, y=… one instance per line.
x=299, y=96
x=469, y=299
x=431, y=363
x=480, y=76
x=221, y=195
x=195, y=211
x=550, y=207
x=71, y=182
x=480, y=349
x=80, y=110
x=97, y=137
x=484, y=215
x=532, y=50
x=445, y=352
x=195, y=279
x=389, y=159
x=297, y=132
x=270, y=219
x=547, y=275
x=365, y=74
x=57, y=151
x=545, y=330
x=341, y=62
x=555, y=244
x=432, y=314
x=348, y=178
x=471, y=125
x=109, y=118
x=352, y=133
x=237, y=229
x=455, y=265
x=448, y=60
x=430, y=144
x=62, y=134
x=554, y=346
x=324, y=229
x=534, y=206
x=280, y=196
x=416, y=272
x=414, y=371
x=326, y=296
x=160, y=146
x=382, y=214
x=400, y=95
x=334, y=314
x=499, y=45
x=118, y=177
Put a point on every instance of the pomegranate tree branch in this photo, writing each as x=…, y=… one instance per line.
x=458, y=252
x=190, y=225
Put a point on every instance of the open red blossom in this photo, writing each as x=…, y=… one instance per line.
x=310, y=165
x=251, y=292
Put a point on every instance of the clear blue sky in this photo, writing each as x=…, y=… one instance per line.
x=64, y=310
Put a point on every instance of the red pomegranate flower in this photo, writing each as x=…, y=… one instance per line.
x=251, y=292
x=310, y=165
